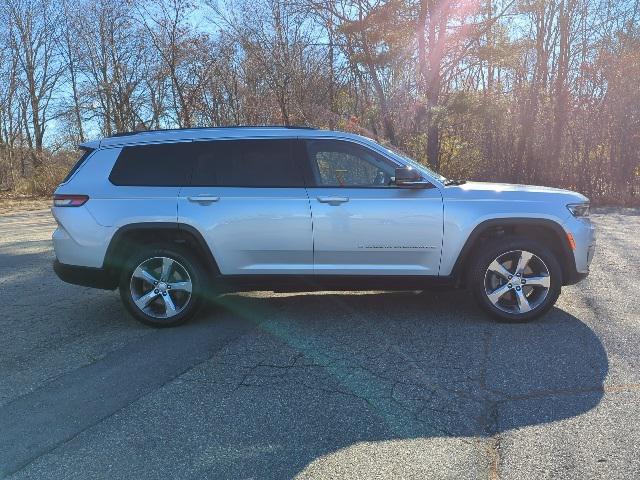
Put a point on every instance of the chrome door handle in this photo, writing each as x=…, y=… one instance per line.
x=203, y=199
x=333, y=200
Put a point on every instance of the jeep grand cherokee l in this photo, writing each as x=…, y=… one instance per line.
x=172, y=217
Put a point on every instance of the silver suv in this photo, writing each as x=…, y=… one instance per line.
x=173, y=217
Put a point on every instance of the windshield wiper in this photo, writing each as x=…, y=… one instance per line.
x=451, y=181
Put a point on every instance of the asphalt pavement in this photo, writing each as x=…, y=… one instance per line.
x=328, y=385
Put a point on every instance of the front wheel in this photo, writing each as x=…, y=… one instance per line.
x=515, y=279
x=161, y=286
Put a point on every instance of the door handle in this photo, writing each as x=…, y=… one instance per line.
x=203, y=199
x=333, y=200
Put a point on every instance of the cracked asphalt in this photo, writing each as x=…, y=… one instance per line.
x=361, y=385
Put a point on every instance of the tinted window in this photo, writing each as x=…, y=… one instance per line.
x=247, y=163
x=85, y=154
x=345, y=164
x=154, y=165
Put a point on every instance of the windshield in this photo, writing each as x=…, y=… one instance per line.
x=396, y=152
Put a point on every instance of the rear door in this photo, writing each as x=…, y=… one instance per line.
x=362, y=223
x=247, y=198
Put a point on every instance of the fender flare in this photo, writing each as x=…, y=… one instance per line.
x=112, y=249
x=567, y=262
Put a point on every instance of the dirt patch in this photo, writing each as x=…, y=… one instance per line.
x=20, y=204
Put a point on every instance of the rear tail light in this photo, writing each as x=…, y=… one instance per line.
x=69, y=200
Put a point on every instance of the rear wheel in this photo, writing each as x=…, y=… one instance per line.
x=515, y=279
x=161, y=286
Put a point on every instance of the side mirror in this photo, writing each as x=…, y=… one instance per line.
x=409, y=177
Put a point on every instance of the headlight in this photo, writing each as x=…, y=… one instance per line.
x=579, y=209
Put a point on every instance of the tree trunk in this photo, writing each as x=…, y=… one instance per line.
x=561, y=94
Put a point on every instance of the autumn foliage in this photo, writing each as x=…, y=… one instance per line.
x=529, y=91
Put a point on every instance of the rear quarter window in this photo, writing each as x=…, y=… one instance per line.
x=84, y=155
x=160, y=165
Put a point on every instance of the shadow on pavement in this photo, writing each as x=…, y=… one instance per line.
x=266, y=385
x=327, y=371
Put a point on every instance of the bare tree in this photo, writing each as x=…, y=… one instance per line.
x=33, y=37
x=72, y=58
x=111, y=67
x=164, y=23
x=541, y=91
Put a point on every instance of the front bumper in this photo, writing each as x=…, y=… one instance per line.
x=85, y=276
x=583, y=232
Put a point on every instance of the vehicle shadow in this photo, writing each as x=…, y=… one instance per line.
x=262, y=385
x=326, y=371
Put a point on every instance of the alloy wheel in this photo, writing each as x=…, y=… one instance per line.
x=161, y=287
x=517, y=282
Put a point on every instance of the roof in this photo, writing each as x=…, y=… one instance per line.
x=186, y=134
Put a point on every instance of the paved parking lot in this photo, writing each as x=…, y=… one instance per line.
x=364, y=385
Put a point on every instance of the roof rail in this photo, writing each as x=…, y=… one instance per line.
x=295, y=127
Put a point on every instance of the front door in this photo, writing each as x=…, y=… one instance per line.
x=362, y=223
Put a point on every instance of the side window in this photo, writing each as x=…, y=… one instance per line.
x=162, y=165
x=85, y=154
x=247, y=163
x=343, y=164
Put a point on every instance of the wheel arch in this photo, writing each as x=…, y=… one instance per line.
x=132, y=236
x=546, y=231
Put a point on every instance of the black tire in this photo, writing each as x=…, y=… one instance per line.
x=483, y=258
x=186, y=261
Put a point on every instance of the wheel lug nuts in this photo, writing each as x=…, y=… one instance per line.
x=156, y=291
x=510, y=277
x=517, y=274
x=155, y=283
x=164, y=294
x=510, y=286
x=518, y=289
x=168, y=287
x=523, y=281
